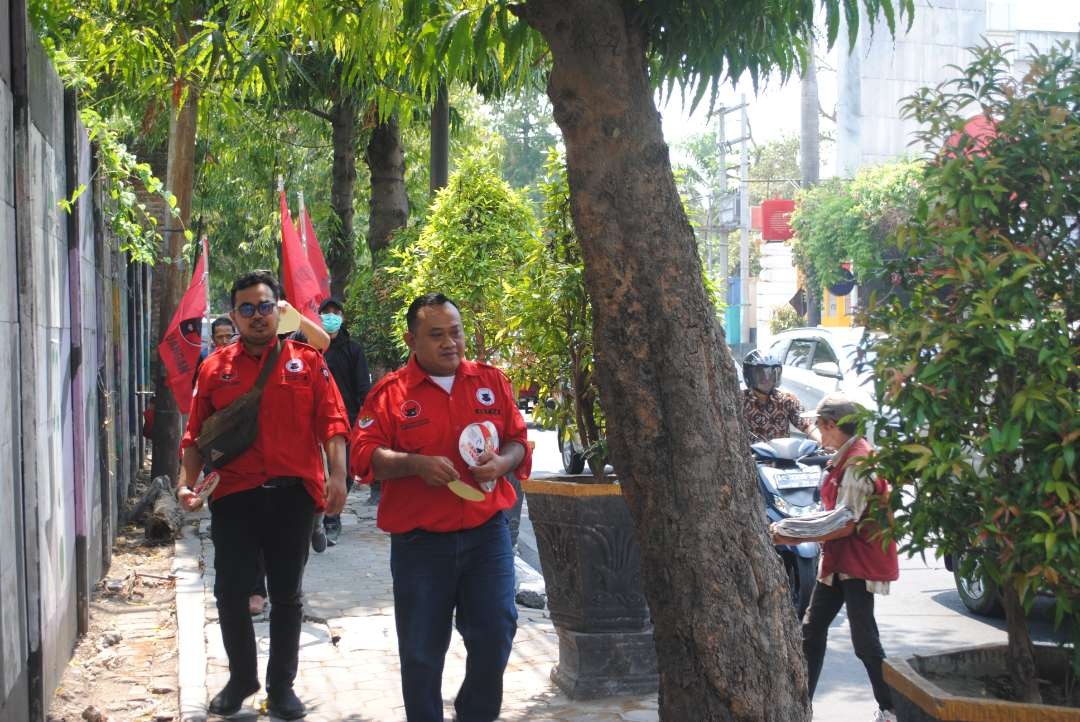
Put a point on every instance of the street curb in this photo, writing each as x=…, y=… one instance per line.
x=190, y=622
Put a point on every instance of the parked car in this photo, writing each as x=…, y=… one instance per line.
x=820, y=360
x=528, y=396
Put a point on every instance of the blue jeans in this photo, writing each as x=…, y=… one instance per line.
x=469, y=575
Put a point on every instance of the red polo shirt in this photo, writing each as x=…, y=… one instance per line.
x=407, y=411
x=301, y=409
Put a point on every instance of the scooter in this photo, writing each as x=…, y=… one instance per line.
x=790, y=471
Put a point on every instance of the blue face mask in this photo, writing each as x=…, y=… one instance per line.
x=331, y=322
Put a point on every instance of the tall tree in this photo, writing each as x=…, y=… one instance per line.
x=389, y=208
x=725, y=635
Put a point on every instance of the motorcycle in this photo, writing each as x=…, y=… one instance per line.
x=790, y=471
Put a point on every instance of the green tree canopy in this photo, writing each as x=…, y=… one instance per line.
x=980, y=362
x=849, y=220
x=473, y=248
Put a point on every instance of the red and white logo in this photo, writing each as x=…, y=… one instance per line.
x=410, y=409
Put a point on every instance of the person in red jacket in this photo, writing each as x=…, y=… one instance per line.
x=855, y=564
x=266, y=498
x=435, y=431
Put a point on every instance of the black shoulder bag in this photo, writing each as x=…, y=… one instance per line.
x=231, y=431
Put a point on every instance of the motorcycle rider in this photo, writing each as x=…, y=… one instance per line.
x=768, y=411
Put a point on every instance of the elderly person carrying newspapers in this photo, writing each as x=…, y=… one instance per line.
x=855, y=562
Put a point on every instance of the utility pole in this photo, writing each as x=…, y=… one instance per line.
x=744, y=226
x=724, y=270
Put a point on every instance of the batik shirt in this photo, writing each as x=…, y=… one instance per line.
x=769, y=418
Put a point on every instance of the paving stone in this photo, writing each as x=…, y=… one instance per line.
x=349, y=591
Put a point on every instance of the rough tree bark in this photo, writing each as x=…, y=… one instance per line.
x=725, y=630
x=180, y=181
x=1021, y=652
x=440, y=140
x=344, y=116
x=389, y=202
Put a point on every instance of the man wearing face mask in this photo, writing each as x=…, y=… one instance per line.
x=348, y=365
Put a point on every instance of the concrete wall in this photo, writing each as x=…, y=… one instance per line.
x=13, y=620
x=74, y=338
x=880, y=71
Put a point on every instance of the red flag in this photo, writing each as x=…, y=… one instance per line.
x=182, y=343
x=315, y=256
x=301, y=285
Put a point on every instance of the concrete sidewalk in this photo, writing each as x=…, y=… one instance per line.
x=348, y=656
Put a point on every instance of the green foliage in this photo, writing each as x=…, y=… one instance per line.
x=121, y=173
x=785, y=317
x=697, y=44
x=774, y=168
x=473, y=248
x=523, y=122
x=983, y=348
x=551, y=319
x=849, y=220
x=374, y=309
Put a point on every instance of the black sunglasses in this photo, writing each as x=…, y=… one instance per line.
x=265, y=308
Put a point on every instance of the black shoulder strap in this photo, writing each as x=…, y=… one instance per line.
x=268, y=365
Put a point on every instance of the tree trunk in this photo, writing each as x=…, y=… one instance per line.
x=389, y=201
x=440, y=140
x=179, y=180
x=725, y=632
x=1021, y=654
x=340, y=251
x=162, y=524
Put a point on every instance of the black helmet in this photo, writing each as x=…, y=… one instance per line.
x=762, y=371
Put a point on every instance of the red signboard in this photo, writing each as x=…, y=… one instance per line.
x=776, y=219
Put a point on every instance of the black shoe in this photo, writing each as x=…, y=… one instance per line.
x=285, y=704
x=229, y=700
x=332, y=528
x=318, y=540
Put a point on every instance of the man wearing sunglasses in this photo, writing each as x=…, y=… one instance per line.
x=267, y=496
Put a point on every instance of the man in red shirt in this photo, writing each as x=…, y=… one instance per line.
x=266, y=498
x=433, y=425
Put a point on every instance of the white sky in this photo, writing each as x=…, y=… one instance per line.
x=775, y=109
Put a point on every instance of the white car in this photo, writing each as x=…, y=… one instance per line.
x=820, y=360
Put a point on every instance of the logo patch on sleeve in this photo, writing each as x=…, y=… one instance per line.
x=485, y=396
x=365, y=421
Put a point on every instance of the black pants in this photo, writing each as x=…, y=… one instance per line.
x=276, y=522
x=825, y=603
x=329, y=521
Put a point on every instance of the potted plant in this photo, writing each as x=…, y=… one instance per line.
x=979, y=372
x=584, y=532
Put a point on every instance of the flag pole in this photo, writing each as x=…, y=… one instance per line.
x=303, y=224
x=205, y=243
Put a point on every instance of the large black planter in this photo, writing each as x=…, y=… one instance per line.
x=592, y=573
x=918, y=699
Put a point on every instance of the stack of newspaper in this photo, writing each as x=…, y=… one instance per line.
x=814, y=525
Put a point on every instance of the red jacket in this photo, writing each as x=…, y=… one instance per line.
x=407, y=411
x=859, y=555
x=300, y=409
